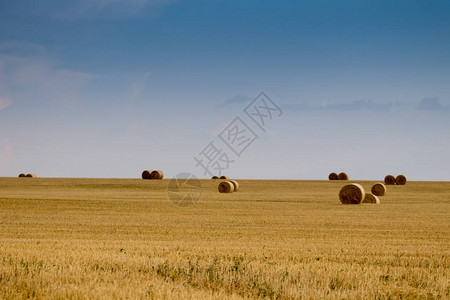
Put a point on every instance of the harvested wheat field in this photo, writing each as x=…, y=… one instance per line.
x=122, y=238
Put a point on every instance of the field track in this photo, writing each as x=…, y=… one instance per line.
x=123, y=238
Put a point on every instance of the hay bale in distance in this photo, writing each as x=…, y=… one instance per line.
x=389, y=180
x=352, y=193
x=370, y=198
x=224, y=177
x=400, y=180
x=22, y=175
x=146, y=174
x=31, y=175
x=235, y=184
x=157, y=174
x=379, y=189
x=333, y=176
x=226, y=187
x=215, y=177
x=343, y=176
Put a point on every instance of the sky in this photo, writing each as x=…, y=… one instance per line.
x=108, y=88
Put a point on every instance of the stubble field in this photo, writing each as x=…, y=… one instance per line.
x=123, y=238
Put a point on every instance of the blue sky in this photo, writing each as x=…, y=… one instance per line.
x=107, y=88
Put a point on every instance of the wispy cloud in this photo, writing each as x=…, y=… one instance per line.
x=432, y=104
x=237, y=99
x=427, y=104
x=357, y=105
x=27, y=72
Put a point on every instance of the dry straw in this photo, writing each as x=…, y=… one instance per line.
x=157, y=174
x=379, y=189
x=226, y=187
x=352, y=194
x=146, y=174
x=235, y=184
x=389, y=180
x=333, y=176
x=215, y=177
x=369, y=198
x=400, y=180
x=31, y=175
x=224, y=177
x=22, y=175
x=343, y=176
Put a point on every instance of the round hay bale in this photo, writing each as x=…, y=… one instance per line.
x=226, y=187
x=389, y=180
x=379, y=189
x=352, y=194
x=369, y=198
x=343, y=176
x=146, y=174
x=235, y=184
x=30, y=175
x=22, y=175
x=215, y=177
x=333, y=176
x=157, y=174
x=400, y=180
x=224, y=177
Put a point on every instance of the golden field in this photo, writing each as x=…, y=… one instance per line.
x=123, y=238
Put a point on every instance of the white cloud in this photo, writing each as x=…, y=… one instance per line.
x=26, y=73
